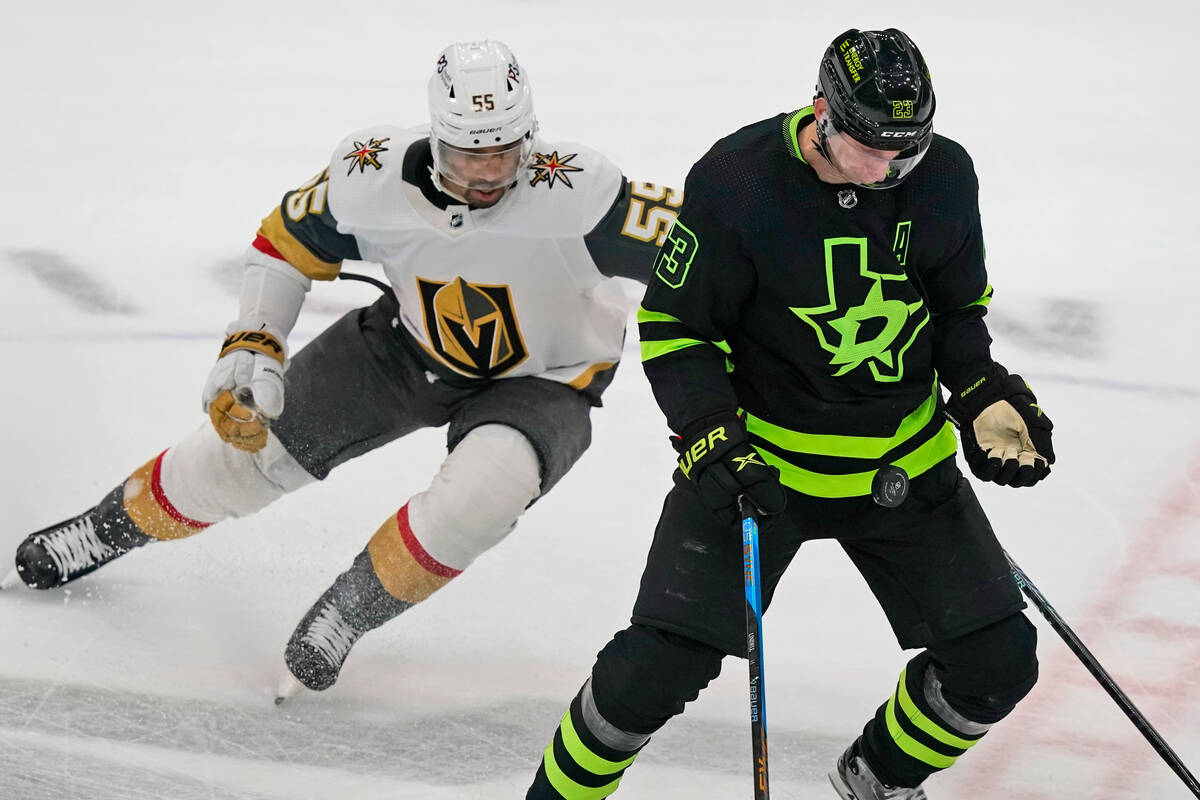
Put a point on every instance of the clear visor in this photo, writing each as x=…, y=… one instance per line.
x=869, y=167
x=483, y=168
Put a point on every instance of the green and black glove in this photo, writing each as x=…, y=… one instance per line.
x=1005, y=434
x=716, y=456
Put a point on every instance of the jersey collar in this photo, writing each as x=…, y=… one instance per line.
x=792, y=123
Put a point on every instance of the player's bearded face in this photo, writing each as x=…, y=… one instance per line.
x=481, y=175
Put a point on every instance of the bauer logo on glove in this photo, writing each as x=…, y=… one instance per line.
x=1006, y=437
x=704, y=445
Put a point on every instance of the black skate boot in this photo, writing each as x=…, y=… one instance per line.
x=63, y=552
x=854, y=780
x=353, y=605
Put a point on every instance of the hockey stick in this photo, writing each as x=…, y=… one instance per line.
x=758, y=700
x=1105, y=680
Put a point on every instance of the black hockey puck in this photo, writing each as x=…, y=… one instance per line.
x=889, y=487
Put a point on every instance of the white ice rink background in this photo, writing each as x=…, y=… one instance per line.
x=140, y=144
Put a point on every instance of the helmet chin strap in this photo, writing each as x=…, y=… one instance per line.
x=821, y=145
x=437, y=183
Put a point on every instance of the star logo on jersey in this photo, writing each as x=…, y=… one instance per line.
x=366, y=154
x=552, y=168
x=472, y=327
x=878, y=330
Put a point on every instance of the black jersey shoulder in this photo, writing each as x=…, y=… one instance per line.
x=944, y=182
x=755, y=169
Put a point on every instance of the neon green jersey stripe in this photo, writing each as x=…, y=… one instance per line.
x=654, y=316
x=818, y=444
x=925, y=723
x=569, y=788
x=910, y=745
x=858, y=484
x=651, y=350
x=585, y=757
x=982, y=301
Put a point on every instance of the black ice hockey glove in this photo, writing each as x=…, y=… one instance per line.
x=716, y=456
x=1005, y=434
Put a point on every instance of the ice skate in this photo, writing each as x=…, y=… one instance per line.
x=353, y=605
x=852, y=779
x=61, y=553
x=319, y=646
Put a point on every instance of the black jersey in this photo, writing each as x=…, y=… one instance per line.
x=826, y=313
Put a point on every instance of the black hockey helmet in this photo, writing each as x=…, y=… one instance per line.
x=879, y=94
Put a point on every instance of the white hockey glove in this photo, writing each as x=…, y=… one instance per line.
x=244, y=391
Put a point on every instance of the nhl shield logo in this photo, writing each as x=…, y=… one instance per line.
x=472, y=327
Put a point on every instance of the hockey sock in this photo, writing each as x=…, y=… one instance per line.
x=916, y=732
x=146, y=504
x=403, y=566
x=588, y=756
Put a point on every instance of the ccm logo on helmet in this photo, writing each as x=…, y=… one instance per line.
x=898, y=134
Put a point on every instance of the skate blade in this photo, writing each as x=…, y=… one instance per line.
x=10, y=580
x=286, y=687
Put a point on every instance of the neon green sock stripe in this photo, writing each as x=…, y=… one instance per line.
x=820, y=444
x=652, y=350
x=585, y=757
x=910, y=745
x=569, y=788
x=925, y=723
x=654, y=316
x=858, y=484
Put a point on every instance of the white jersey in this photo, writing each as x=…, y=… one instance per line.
x=524, y=288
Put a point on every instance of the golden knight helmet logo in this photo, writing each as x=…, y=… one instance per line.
x=472, y=327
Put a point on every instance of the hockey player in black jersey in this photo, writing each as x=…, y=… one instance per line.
x=502, y=322
x=825, y=278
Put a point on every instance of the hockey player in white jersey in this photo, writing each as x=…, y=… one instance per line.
x=503, y=321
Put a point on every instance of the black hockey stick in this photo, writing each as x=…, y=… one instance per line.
x=1101, y=675
x=1098, y=672
x=758, y=699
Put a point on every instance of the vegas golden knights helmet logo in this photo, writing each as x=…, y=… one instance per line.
x=472, y=326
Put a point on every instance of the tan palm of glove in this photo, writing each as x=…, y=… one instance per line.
x=1003, y=436
x=1006, y=438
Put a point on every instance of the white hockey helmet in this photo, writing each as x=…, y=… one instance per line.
x=479, y=97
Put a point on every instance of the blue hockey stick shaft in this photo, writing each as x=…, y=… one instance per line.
x=758, y=698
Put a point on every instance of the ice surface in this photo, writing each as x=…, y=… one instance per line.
x=141, y=143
